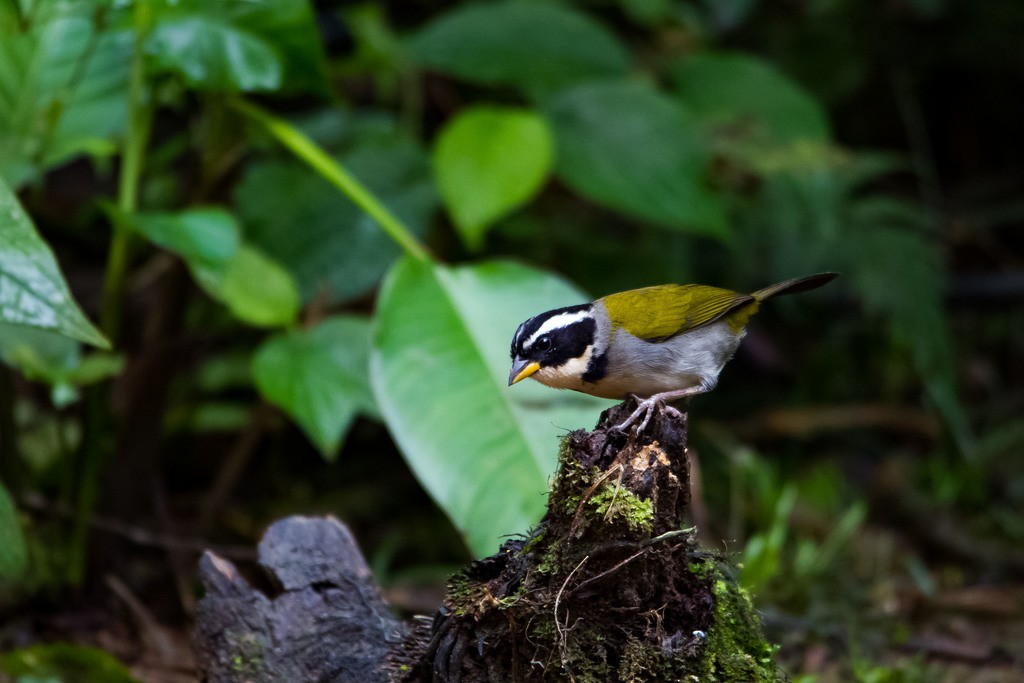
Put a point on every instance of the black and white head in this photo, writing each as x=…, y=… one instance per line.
x=558, y=348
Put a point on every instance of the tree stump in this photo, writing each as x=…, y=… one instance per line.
x=323, y=620
x=607, y=587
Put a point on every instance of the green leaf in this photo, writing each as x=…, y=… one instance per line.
x=537, y=46
x=339, y=251
x=40, y=354
x=32, y=290
x=211, y=54
x=744, y=92
x=62, y=84
x=13, y=552
x=207, y=238
x=258, y=290
x=320, y=377
x=627, y=146
x=254, y=287
x=285, y=29
x=64, y=662
x=763, y=553
x=52, y=358
x=439, y=368
x=489, y=161
x=289, y=26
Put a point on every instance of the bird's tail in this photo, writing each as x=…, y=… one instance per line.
x=794, y=286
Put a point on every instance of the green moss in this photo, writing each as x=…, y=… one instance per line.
x=611, y=503
x=512, y=599
x=736, y=648
x=466, y=597
x=248, y=658
x=535, y=539
x=548, y=563
x=702, y=569
x=619, y=505
x=586, y=655
x=643, y=662
x=542, y=628
x=588, y=506
x=583, y=654
x=573, y=480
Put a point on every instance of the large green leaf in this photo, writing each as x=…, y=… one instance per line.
x=627, y=146
x=328, y=244
x=62, y=84
x=439, y=369
x=13, y=553
x=32, y=290
x=538, y=46
x=212, y=54
x=745, y=92
x=489, y=161
x=320, y=377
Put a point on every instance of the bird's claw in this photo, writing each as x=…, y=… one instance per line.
x=647, y=406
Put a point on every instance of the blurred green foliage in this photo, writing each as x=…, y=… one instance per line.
x=64, y=663
x=344, y=186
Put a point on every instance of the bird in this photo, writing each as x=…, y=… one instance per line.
x=657, y=344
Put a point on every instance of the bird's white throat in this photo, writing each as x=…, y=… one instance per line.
x=568, y=375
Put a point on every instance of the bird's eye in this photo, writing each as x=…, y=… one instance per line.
x=542, y=344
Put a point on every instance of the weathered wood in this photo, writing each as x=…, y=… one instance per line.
x=607, y=587
x=326, y=620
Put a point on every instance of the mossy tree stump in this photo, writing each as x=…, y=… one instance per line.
x=608, y=587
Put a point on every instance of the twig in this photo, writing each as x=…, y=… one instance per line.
x=233, y=466
x=615, y=494
x=644, y=547
x=633, y=545
x=587, y=494
x=559, y=627
x=180, y=563
x=140, y=535
x=668, y=535
x=612, y=569
x=151, y=631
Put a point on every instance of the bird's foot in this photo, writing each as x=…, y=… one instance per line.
x=646, y=407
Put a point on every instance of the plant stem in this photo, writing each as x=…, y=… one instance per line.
x=140, y=116
x=94, y=443
x=334, y=173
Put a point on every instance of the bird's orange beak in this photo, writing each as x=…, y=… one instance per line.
x=521, y=369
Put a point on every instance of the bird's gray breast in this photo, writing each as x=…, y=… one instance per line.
x=635, y=366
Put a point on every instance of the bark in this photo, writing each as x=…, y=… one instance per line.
x=323, y=620
x=607, y=587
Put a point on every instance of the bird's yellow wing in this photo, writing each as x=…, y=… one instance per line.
x=657, y=313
